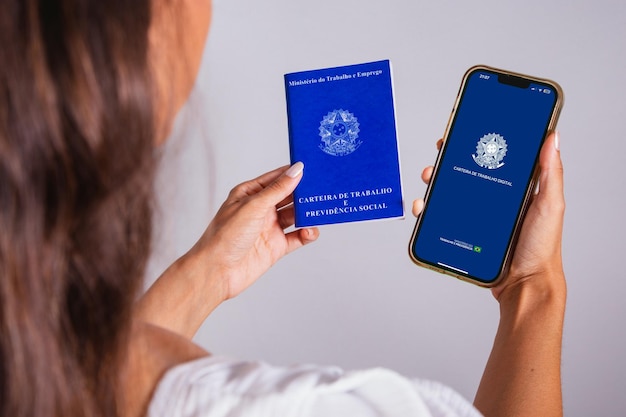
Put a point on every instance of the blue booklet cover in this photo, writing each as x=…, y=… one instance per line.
x=342, y=127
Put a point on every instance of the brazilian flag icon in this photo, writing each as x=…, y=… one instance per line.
x=478, y=249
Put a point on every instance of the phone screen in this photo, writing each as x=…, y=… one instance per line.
x=485, y=170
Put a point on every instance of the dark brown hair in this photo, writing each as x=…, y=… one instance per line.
x=76, y=167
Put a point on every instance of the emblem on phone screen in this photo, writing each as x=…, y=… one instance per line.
x=339, y=131
x=490, y=151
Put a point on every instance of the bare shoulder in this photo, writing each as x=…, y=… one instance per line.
x=152, y=352
x=164, y=346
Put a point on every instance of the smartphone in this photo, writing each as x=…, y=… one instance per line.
x=485, y=173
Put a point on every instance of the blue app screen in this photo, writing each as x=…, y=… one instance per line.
x=485, y=171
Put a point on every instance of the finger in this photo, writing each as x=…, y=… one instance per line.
x=439, y=144
x=551, y=177
x=282, y=187
x=256, y=185
x=418, y=206
x=301, y=237
x=286, y=217
x=427, y=174
x=287, y=201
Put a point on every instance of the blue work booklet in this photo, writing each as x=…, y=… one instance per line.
x=342, y=127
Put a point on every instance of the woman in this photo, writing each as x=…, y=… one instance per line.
x=88, y=87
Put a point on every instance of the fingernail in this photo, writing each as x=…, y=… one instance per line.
x=295, y=170
x=557, y=140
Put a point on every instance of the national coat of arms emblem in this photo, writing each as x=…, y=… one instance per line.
x=339, y=131
x=490, y=151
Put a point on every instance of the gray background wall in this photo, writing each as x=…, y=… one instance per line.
x=354, y=299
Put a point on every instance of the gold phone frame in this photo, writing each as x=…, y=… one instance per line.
x=556, y=111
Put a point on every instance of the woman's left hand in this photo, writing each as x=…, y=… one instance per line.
x=246, y=237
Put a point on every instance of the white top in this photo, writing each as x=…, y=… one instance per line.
x=224, y=387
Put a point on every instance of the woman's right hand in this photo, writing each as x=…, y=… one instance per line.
x=537, y=254
x=523, y=374
x=537, y=258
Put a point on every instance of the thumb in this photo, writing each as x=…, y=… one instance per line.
x=551, y=177
x=284, y=185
